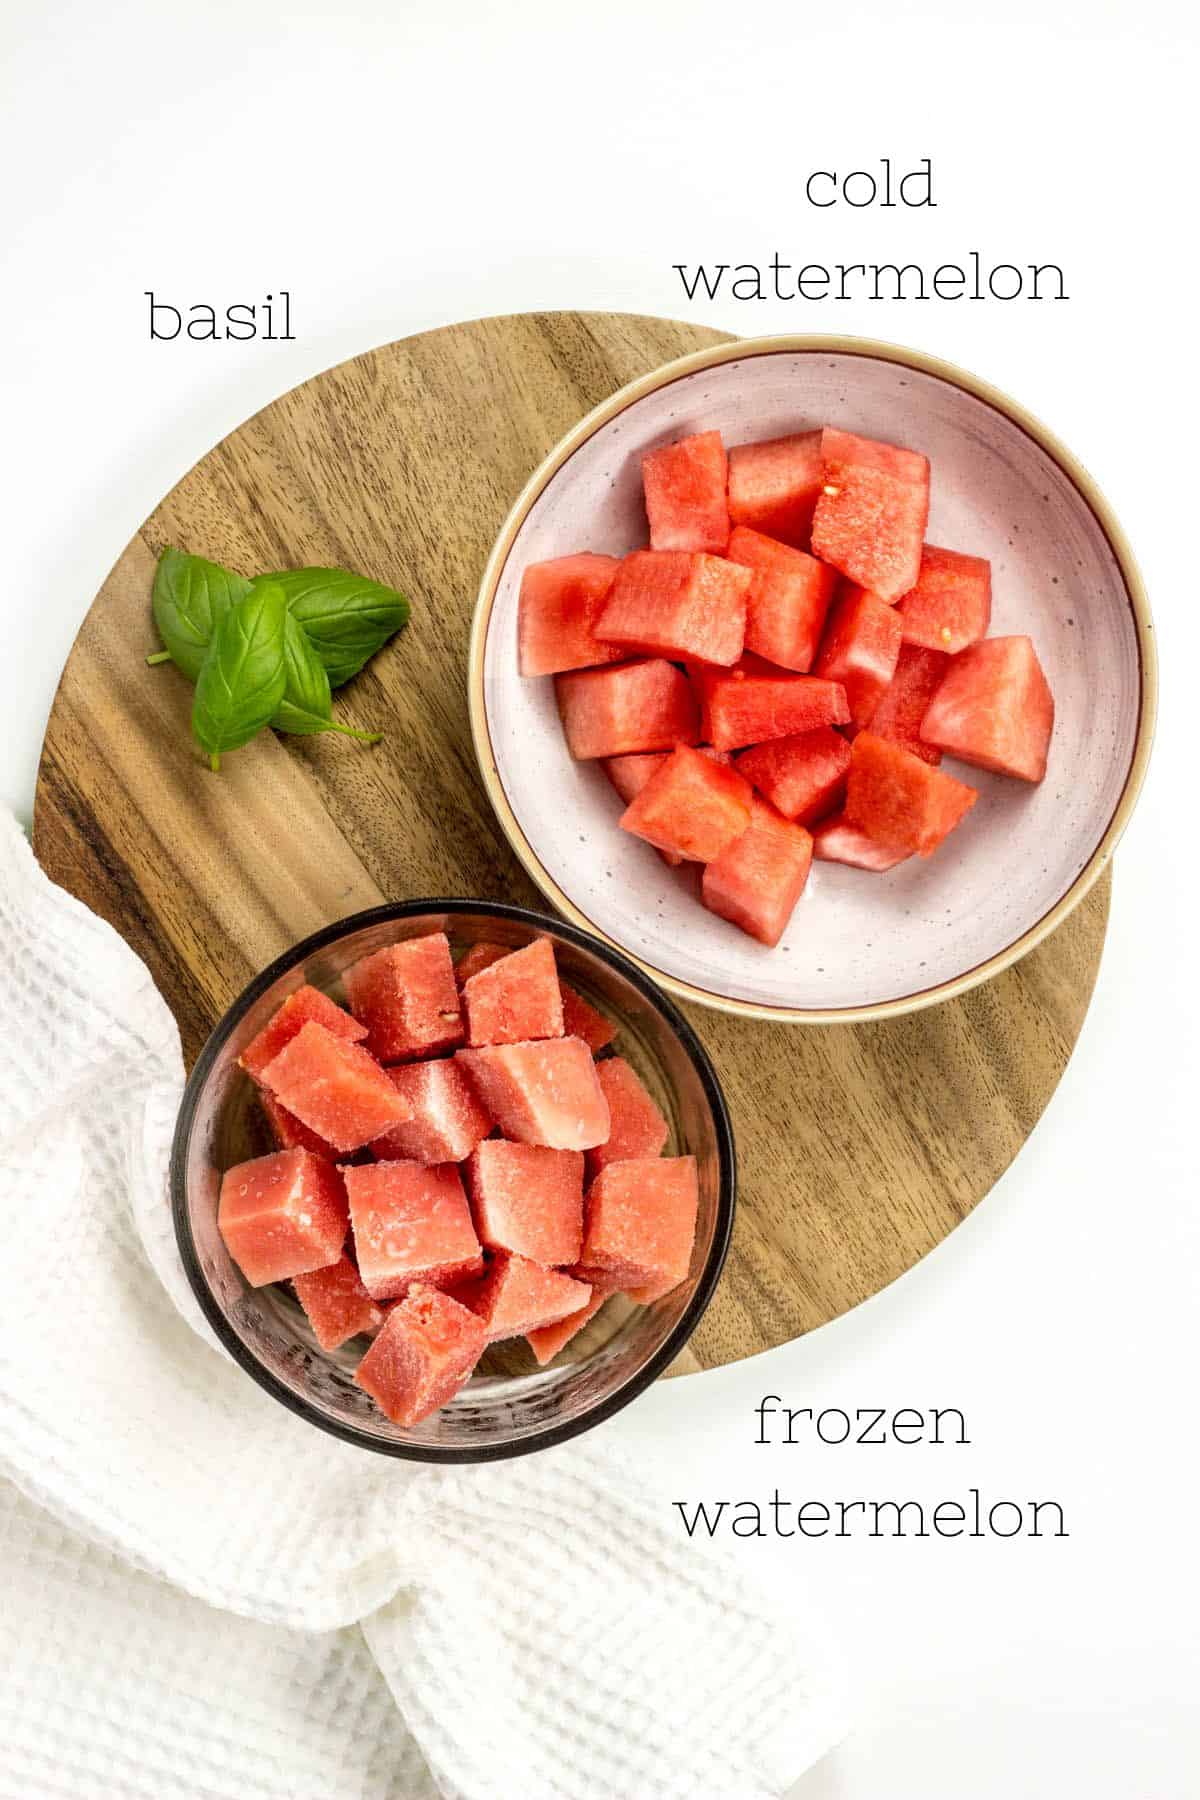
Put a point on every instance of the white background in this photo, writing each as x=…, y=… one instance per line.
x=398, y=166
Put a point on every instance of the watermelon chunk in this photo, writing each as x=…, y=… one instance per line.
x=291, y=1133
x=447, y=1120
x=335, y=1088
x=994, y=708
x=634, y=706
x=282, y=1215
x=837, y=840
x=307, y=1003
x=423, y=1355
x=547, y=1340
x=541, y=1093
x=641, y=1221
x=899, y=800
x=528, y=1199
x=871, y=515
x=803, y=776
x=407, y=997
x=519, y=1296
x=411, y=1223
x=517, y=998
x=860, y=649
x=582, y=1020
x=757, y=880
x=557, y=612
x=951, y=604
x=786, y=601
x=691, y=807
x=638, y=1126
x=678, y=604
x=337, y=1304
x=685, y=494
x=773, y=487
x=906, y=701
x=754, y=701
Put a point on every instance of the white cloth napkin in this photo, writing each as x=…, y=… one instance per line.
x=543, y=1631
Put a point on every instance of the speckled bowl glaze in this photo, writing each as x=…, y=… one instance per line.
x=859, y=945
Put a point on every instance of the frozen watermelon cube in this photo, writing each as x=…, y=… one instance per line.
x=411, y=1223
x=480, y=956
x=582, y=1020
x=951, y=604
x=836, y=840
x=691, y=807
x=634, y=706
x=282, y=1215
x=994, y=708
x=335, y=1088
x=757, y=880
x=337, y=1304
x=305, y=1005
x=788, y=597
x=516, y=999
x=905, y=702
x=871, y=515
x=773, y=487
x=407, y=997
x=423, y=1355
x=756, y=701
x=291, y=1133
x=901, y=801
x=803, y=776
x=448, y=1119
x=528, y=1199
x=678, y=604
x=547, y=1340
x=860, y=648
x=541, y=1093
x=641, y=1221
x=557, y=612
x=638, y=1126
x=685, y=487
x=519, y=1296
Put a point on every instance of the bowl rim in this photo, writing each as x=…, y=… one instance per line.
x=874, y=349
x=707, y=1280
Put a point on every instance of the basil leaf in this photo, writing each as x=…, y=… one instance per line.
x=346, y=618
x=190, y=597
x=305, y=708
x=298, y=723
x=242, y=677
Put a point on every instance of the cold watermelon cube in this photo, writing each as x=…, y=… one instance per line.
x=836, y=840
x=407, y=997
x=582, y=1020
x=448, y=1119
x=871, y=515
x=305, y=1005
x=755, y=701
x=335, y=1088
x=804, y=776
x=480, y=956
x=757, y=880
x=541, y=1093
x=901, y=801
x=291, y=1133
x=788, y=597
x=638, y=1126
x=516, y=998
x=528, y=1199
x=282, y=1215
x=641, y=1221
x=557, y=612
x=337, y=1304
x=547, y=1340
x=423, y=1355
x=685, y=494
x=691, y=807
x=994, y=708
x=678, y=604
x=634, y=706
x=411, y=1223
x=860, y=648
x=902, y=709
x=519, y=1296
x=773, y=487
x=951, y=604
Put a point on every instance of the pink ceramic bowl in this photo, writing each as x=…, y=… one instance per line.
x=859, y=945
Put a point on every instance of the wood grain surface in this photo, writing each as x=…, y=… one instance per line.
x=860, y=1147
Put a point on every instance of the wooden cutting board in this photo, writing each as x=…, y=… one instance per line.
x=860, y=1147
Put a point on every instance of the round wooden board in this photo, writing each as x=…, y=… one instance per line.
x=860, y=1147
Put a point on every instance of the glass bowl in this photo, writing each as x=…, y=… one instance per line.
x=510, y=1406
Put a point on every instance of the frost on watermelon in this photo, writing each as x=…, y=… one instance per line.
x=638, y=1127
x=641, y=1222
x=305, y=1005
x=423, y=1355
x=411, y=1223
x=291, y=1133
x=755, y=701
x=632, y=707
x=871, y=515
x=678, y=604
x=282, y=1215
x=757, y=880
x=860, y=649
x=691, y=807
x=519, y=1296
x=685, y=487
x=516, y=998
x=541, y=1093
x=547, y=1340
x=773, y=487
x=448, y=1119
x=901, y=801
x=335, y=1088
x=557, y=612
x=337, y=1304
x=528, y=1199
x=951, y=604
x=786, y=601
x=837, y=840
x=407, y=997
x=906, y=701
x=994, y=708
x=803, y=776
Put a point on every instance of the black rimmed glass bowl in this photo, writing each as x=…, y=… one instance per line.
x=510, y=1406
